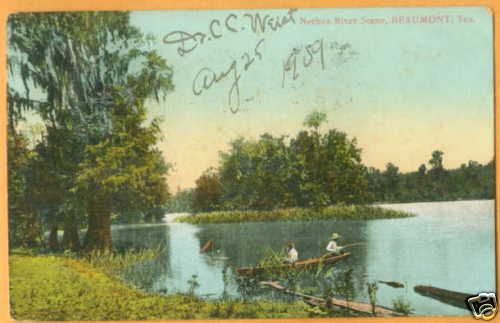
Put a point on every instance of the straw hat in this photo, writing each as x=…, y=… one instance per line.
x=335, y=236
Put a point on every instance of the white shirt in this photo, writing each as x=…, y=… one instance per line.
x=293, y=255
x=333, y=247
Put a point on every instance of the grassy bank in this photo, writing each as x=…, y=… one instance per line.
x=341, y=212
x=51, y=287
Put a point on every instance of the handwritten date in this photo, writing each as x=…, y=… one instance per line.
x=302, y=57
x=207, y=77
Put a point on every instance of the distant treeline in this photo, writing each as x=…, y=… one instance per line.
x=468, y=182
x=315, y=169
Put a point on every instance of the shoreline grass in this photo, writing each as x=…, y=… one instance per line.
x=111, y=262
x=337, y=212
x=60, y=288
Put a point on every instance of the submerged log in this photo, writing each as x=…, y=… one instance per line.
x=453, y=298
x=352, y=305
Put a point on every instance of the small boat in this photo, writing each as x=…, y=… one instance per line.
x=206, y=246
x=248, y=271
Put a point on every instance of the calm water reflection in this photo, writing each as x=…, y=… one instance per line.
x=448, y=245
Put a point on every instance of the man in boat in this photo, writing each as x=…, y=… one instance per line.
x=292, y=254
x=333, y=248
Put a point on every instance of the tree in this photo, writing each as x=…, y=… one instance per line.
x=87, y=66
x=58, y=155
x=309, y=170
x=182, y=201
x=123, y=173
x=24, y=224
x=469, y=181
x=314, y=120
x=342, y=169
x=422, y=170
x=208, y=192
x=436, y=161
x=306, y=170
x=439, y=180
x=76, y=60
x=391, y=181
x=375, y=184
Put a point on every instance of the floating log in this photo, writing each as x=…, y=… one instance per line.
x=352, y=305
x=392, y=284
x=249, y=271
x=207, y=246
x=456, y=299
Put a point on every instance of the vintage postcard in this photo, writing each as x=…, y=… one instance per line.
x=246, y=163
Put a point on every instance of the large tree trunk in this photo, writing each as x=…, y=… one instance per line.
x=71, y=239
x=53, y=238
x=99, y=225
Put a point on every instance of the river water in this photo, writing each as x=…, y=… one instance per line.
x=450, y=245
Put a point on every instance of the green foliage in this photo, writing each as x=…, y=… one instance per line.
x=208, y=192
x=402, y=306
x=92, y=73
x=273, y=270
x=62, y=288
x=343, y=212
x=324, y=286
x=468, y=182
x=247, y=286
x=58, y=152
x=182, y=201
x=254, y=174
x=315, y=119
x=436, y=161
x=322, y=281
x=25, y=227
x=326, y=170
x=344, y=285
x=112, y=262
x=126, y=167
x=78, y=60
x=317, y=311
x=308, y=170
x=272, y=262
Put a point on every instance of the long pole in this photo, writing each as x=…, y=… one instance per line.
x=352, y=244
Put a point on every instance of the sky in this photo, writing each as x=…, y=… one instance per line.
x=406, y=89
x=401, y=89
